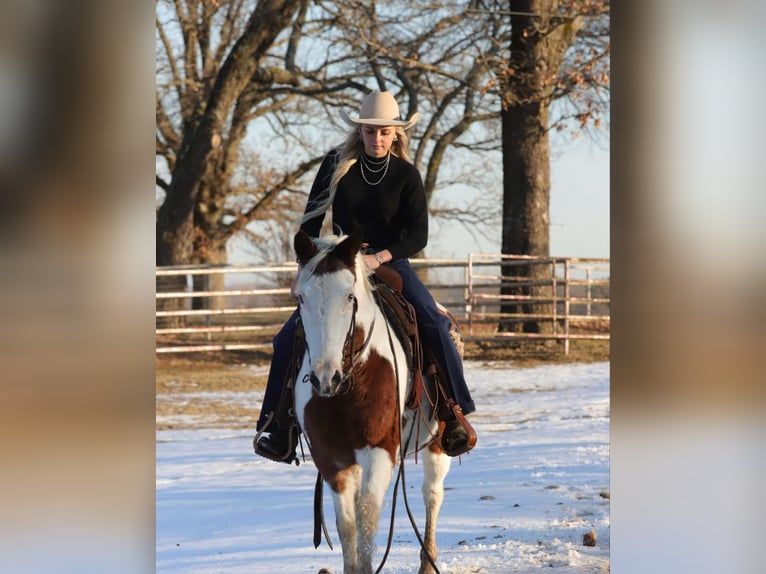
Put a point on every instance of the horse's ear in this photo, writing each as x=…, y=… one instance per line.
x=305, y=248
x=347, y=249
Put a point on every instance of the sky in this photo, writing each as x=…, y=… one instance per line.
x=579, y=206
x=536, y=482
x=579, y=198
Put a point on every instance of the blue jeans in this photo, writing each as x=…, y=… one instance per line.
x=434, y=330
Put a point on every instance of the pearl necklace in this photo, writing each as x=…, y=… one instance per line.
x=374, y=167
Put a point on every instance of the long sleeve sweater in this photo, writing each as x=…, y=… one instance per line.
x=393, y=214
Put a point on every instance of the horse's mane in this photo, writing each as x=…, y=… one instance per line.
x=324, y=246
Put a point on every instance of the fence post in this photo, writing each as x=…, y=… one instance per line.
x=466, y=292
x=469, y=293
x=208, y=317
x=566, y=306
x=555, y=298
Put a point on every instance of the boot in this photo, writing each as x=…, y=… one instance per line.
x=456, y=435
x=278, y=437
x=278, y=444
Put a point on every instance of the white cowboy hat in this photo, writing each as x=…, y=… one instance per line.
x=380, y=109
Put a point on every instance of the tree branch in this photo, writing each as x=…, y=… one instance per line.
x=170, y=56
x=267, y=195
x=164, y=125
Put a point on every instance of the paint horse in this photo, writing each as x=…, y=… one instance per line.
x=350, y=398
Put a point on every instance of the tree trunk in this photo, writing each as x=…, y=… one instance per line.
x=175, y=224
x=526, y=195
x=213, y=282
x=175, y=234
x=526, y=172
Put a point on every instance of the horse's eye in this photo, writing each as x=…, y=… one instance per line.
x=350, y=298
x=300, y=299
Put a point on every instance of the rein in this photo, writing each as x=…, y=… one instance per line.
x=400, y=475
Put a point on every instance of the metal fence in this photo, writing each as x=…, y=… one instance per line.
x=254, y=301
x=561, y=298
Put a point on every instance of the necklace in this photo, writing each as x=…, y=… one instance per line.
x=374, y=167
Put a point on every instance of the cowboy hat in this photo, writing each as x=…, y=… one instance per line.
x=380, y=109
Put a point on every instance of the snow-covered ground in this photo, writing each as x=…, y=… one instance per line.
x=537, y=481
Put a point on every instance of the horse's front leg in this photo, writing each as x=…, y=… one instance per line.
x=435, y=467
x=377, y=469
x=345, y=494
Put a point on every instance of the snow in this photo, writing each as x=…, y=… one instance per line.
x=537, y=481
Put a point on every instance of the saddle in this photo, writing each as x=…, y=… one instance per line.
x=401, y=317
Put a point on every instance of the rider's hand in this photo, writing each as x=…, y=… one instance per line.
x=375, y=260
x=371, y=262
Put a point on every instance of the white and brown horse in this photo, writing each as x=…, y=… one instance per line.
x=350, y=398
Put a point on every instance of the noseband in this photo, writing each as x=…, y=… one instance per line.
x=350, y=356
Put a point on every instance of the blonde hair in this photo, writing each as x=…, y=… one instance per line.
x=348, y=155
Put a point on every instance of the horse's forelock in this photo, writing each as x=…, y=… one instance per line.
x=325, y=245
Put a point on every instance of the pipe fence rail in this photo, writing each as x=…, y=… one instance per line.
x=523, y=297
x=494, y=297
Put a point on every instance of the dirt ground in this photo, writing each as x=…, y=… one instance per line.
x=188, y=386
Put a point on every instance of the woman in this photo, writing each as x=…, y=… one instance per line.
x=370, y=183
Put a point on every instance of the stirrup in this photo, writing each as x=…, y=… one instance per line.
x=456, y=435
x=262, y=444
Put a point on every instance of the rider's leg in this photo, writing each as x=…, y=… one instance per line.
x=278, y=433
x=434, y=329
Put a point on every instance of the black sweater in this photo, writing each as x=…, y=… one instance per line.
x=392, y=214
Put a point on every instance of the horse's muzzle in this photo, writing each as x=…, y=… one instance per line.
x=326, y=387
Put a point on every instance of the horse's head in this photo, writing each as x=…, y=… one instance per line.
x=331, y=280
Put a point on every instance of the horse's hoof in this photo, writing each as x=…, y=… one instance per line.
x=324, y=571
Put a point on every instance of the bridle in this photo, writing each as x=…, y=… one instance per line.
x=350, y=357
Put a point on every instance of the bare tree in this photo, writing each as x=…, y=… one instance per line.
x=353, y=49
x=468, y=66
x=228, y=70
x=215, y=70
x=558, y=53
x=432, y=56
x=224, y=67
